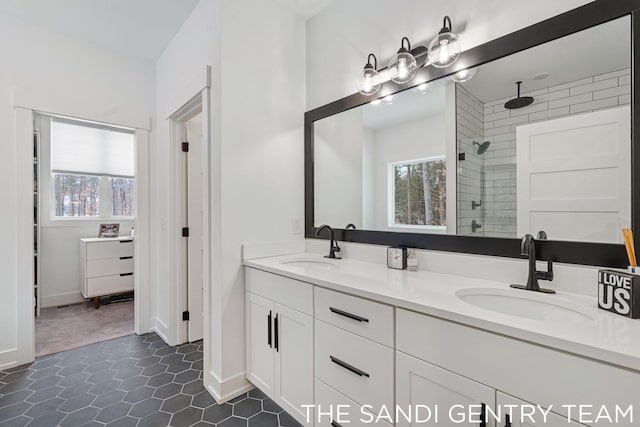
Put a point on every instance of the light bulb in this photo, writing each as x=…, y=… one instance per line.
x=464, y=75
x=444, y=49
x=368, y=80
x=403, y=66
x=388, y=99
x=375, y=102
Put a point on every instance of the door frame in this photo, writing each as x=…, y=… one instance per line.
x=24, y=109
x=199, y=103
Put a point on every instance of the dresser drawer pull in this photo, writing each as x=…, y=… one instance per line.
x=126, y=274
x=349, y=315
x=126, y=257
x=269, y=329
x=348, y=367
x=126, y=241
x=335, y=424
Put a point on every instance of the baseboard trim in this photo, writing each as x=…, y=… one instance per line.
x=9, y=358
x=160, y=328
x=61, y=299
x=225, y=390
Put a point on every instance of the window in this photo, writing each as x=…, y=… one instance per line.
x=92, y=169
x=419, y=193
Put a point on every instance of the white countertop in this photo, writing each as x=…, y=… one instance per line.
x=608, y=337
x=105, y=239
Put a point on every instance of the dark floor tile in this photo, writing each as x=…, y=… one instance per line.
x=133, y=383
x=124, y=422
x=186, y=376
x=73, y=368
x=44, y=373
x=75, y=390
x=171, y=358
x=45, y=362
x=17, y=422
x=15, y=397
x=193, y=388
x=51, y=419
x=18, y=368
x=165, y=351
x=80, y=417
x=187, y=348
x=154, y=370
x=73, y=379
x=17, y=376
x=155, y=420
x=102, y=376
x=127, y=372
x=141, y=354
x=247, y=408
x=45, y=382
x=98, y=366
x=14, y=410
x=203, y=400
x=45, y=394
x=160, y=380
x=146, y=407
x=233, y=422
x=113, y=412
x=271, y=406
x=193, y=357
x=176, y=403
x=105, y=386
x=139, y=394
x=77, y=402
x=256, y=393
x=44, y=408
x=148, y=361
x=263, y=419
x=187, y=417
x=15, y=386
x=217, y=413
x=177, y=367
x=198, y=366
x=238, y=398
x=203, y=424
x=71, y=360
x=109, y=399
x=287, y=420
x=167, y=391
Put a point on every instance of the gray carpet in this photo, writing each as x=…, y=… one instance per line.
x=136, y=381
x=59, y=329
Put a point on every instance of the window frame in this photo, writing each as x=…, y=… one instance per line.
x=391, y=194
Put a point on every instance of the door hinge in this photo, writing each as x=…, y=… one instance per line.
x=185, y=315
x=185, y=147
x=185, y=231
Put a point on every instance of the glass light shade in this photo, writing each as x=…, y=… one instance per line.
x=402, y=67
x=368, y=81
x=424, y=88
x=464, y=75
x=444, y=50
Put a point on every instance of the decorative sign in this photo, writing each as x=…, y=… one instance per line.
x=619, y=292
x=109, y=230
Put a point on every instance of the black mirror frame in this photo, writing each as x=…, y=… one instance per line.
x=582, y=253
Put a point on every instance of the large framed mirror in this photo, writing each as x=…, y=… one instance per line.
x=537, y=135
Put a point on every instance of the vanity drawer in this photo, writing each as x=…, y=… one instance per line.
x=109, y=267
x=351, y=414
x=357, y=367
x=107, y=285
x=291, y=293
x=109, y=249
x=366, y=318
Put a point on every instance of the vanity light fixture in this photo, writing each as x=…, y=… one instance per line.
x=388, y=99
x=368, y=81
x=444, y=50
x=424, y=88
x=403, y=65
x=464, y=75
x=375, y=102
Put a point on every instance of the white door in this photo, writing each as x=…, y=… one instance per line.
x=574, y=176
x=518, y=413
x=259, y=342
x=421, y=383
x=293, y=343
x=195, y=291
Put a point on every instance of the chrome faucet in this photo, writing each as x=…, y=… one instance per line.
x=333, y=245
x=528, y=248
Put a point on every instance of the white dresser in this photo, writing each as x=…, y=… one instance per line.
x=106, y=266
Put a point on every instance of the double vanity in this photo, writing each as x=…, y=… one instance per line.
x=325, y=332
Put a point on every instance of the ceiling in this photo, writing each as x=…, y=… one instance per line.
x=141, y=28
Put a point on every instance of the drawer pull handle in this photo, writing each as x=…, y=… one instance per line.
x=269, y=330
x=276, y=334
x=126, y=274
x=126, y=241
x=335, y=424
x=507, y=421
x=126, y=257
x=349, y=315
x=483, y=417
x=348, y=367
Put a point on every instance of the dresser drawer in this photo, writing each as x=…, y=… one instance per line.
x=366, y=318
x=351, y=414
x=288, y=292
x=109, y=249
x=107, y=285
x=356, y=367
x=109, y=267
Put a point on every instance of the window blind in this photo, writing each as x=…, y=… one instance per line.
x=91, y=150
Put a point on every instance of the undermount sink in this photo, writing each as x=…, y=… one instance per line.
x=311, y=263
x=526, y=304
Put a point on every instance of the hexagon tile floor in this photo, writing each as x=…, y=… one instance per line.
x=129, y=381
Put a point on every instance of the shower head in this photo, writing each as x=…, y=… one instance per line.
x=482, y=147
x=519, y=102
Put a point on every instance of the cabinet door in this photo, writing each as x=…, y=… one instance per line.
x=524, y=414
x=293, y=341
x=259, y=342
x=449, y=396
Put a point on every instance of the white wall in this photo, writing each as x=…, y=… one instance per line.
x=417, y=139
x=256, y=49
x=70, y=77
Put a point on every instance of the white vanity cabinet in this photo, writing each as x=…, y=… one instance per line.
x=106, y=266
x=522, y=414
x=279, y=339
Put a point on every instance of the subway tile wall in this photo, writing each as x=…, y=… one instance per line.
x=498, y=164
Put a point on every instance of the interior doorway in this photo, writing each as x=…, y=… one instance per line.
x=189, y=225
